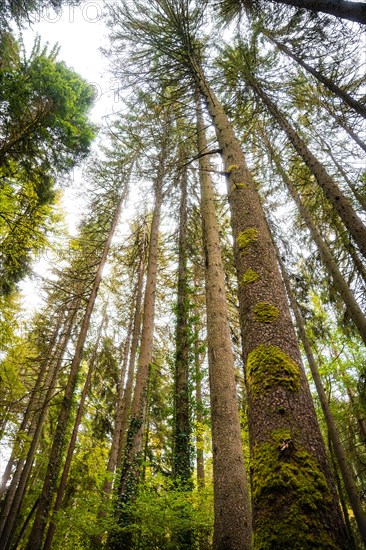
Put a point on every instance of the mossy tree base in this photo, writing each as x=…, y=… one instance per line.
x=291, y=495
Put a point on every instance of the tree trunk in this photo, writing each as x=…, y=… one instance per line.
x=182, y=468
x=335, y=196
x=14, y=496
x=125, y=404
x=43, y=508
x=353, y=103
x=131, y=463
x=31, y=405
x=341, y=457
x=358, y=196
x=232, y=528
x=339, y=281
x=283, y=429
x=353, y=11
x=71, y=448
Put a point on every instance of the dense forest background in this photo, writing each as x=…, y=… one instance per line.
x=193, y=375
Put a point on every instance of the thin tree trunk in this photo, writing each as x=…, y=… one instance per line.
x=14, y=496
x=232, y=528
x=339, y=202
x=182, y=468
x=43, y=509
x=282, y=421
x=31, y=405
x=348, y=181
x=71, y=448
x=131, y=463
x=342, y=499
x=339, y=281
x=353, y=103
x=352, y=11
x=348, y=480
x=125, y=404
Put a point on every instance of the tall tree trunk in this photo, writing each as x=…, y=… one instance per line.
x=232, y=528
x=358, y=196
x=71, y=448
x=14, y=496
x=283, y=429
x=339, y=281
x=133, y=453
x=182, y=468
x=353, y=103
x=43, y=508
x=352, y=11
x=348, y=480
x=335, y=196
x=125, y=404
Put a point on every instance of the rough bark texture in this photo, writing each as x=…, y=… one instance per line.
x=339, y=281
x=54, y=464
x=293, y=493
x=340, y=454
x=182, y=468
x=232, y=527
x=335, y=196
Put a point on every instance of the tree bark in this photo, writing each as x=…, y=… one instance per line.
x=335, y=196
x=43, y=508
x=341, y=457
x=282, y=421
x=352, y=11
x=232, y=527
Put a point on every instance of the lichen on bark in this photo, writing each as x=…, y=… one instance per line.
x=268, y=367
x=291, y=495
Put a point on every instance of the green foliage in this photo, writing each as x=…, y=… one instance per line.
x=268, y=367
x=162, y=513
x=44, y=131
x=265, y=312
x=294, y=492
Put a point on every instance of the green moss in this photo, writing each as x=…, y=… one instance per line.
x=250, y=276
x=239, y=186
x=246, y=238
x=232, y=167
x=269, y=366
x=291, y=496
x=265, y=312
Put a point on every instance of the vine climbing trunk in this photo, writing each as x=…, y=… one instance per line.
x=182, y=469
